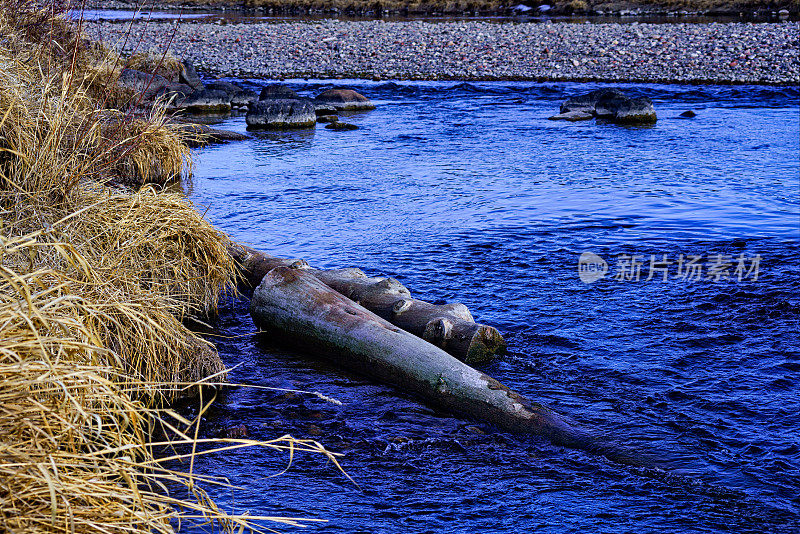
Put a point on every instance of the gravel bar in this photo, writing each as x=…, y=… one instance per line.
x=763, y=53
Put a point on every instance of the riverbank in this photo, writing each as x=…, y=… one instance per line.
x=744, y=53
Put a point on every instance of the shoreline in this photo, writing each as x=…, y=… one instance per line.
x=747, y=10
x=678, y=53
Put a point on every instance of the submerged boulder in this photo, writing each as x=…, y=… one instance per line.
x=281, y=114
x=634, y=111
x=197, y=135
x=341, y=126
x=573, y=116
x=607, y=107
x=609, y=104
x=587, y=102
x=344, y=100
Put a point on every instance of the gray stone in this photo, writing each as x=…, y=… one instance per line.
x=147, y=85
x=588, y=101
x=611, y=105
x=190, y=77
x=325, y=109
x=200, y=135
x=238, y=97
x=341, y=126
x=689, y=114
x=277, y=91
x=573, y=116
x=327, y=118
x=606, y=107
x=207, y=101
x=281, y=114
x=243, y=99
x=344, y=100
x=175, y=94
x=229, y=87
x=216, y=135
x=635, y=111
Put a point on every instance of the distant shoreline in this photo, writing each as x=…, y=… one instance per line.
x=733, y=53
x=746, y=9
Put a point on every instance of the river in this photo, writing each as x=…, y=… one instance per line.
x=466, y=192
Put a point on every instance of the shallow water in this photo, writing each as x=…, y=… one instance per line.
x=467, y=192
x=240, y=16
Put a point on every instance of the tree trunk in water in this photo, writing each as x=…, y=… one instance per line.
x=448, y=326
x=298, y=305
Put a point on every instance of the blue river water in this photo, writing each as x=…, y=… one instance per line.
x=466, y=192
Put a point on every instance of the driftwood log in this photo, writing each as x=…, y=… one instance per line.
x=298, y=305
x=450, y=327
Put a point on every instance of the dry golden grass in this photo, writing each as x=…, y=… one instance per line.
x=96, y=284
x=155, y=62
x=57, y=114
x=75, y=433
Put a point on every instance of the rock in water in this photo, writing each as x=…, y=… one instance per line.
x=190, y=77
x=341, y=126
x=344, y=100
x=281, y=114
x=325, y=109
x=238, y=97
x=243, y=99
x=573, y=116
x=327, y=118
x=688, y=114
x=609, y=104
x=586, y=103
x=607, y=107
x=207, y=101
x=278, y=91
x=201, y=134
x=635, y=111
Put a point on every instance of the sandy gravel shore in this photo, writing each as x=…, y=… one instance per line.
x=473, y=50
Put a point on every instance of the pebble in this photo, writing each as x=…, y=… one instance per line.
x=479, y=50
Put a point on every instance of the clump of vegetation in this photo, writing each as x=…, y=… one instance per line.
x=98, y=277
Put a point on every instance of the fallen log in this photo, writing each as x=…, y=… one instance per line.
x=297, y=305
x=450, y=327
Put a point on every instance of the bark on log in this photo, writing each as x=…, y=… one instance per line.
x=298, y=305
x=448, y=326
